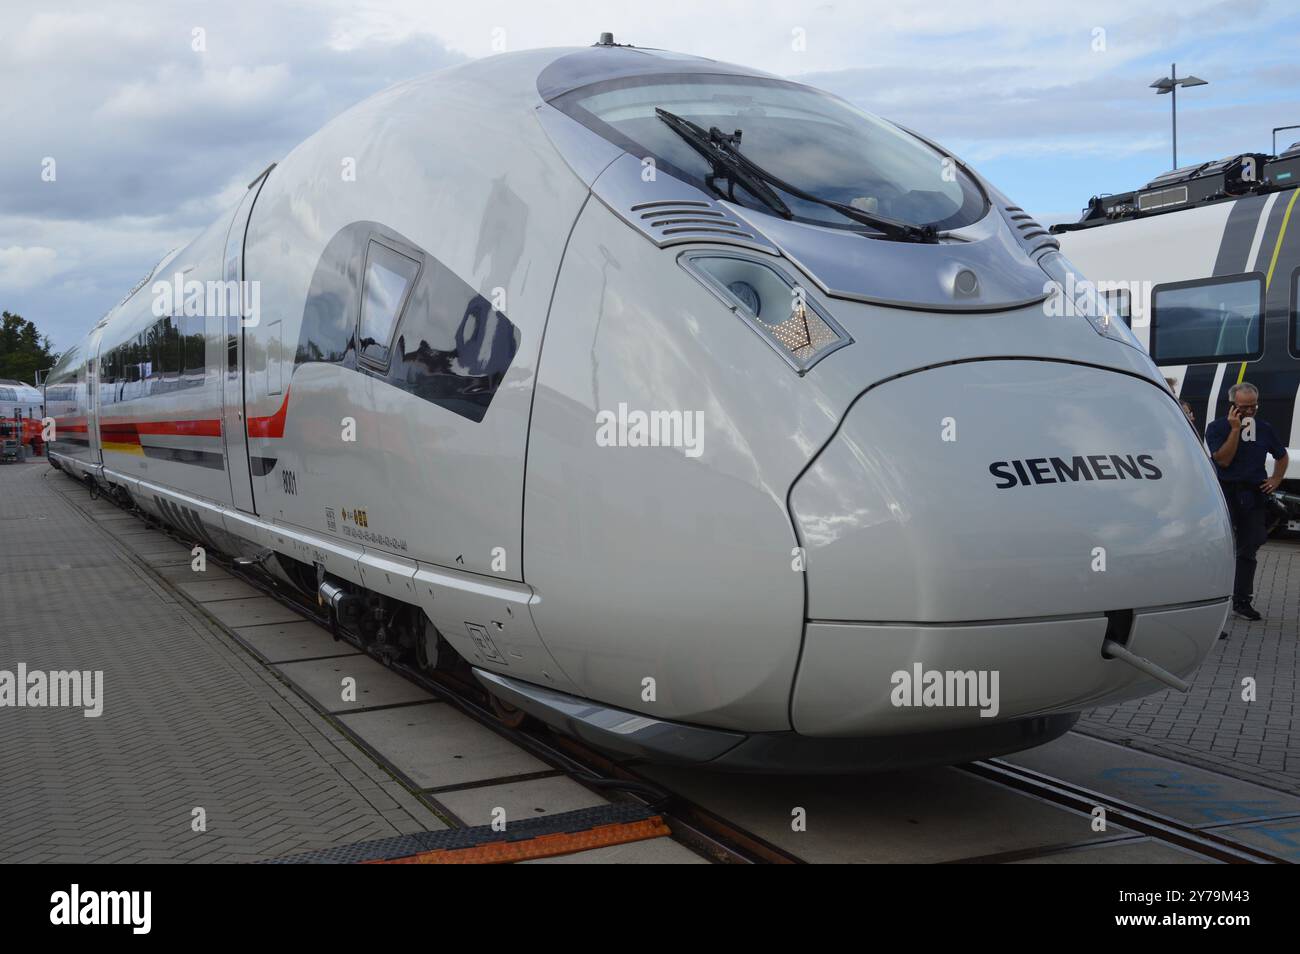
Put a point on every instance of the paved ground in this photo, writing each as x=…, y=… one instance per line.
x=1212, y=725
x=272, y=776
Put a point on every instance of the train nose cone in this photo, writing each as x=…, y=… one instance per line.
x=988, y=514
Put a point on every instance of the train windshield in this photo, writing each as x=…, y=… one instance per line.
x=815, y=142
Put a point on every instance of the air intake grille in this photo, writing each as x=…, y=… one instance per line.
x=1150, y=201
x=669, y=211
x=686, y=220
x=1032, y=236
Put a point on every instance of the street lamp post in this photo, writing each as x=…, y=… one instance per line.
x=1170, y=84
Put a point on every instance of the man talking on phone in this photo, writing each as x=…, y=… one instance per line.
x=1239, y=445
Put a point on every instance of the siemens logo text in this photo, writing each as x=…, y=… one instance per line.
x=1059, y=470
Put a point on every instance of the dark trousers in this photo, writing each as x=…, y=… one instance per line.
x=1246, y=507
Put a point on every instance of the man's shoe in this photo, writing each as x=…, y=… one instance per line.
x=1246, y=611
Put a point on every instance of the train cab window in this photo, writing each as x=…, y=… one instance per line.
x=389, y=277
x=1208, y=321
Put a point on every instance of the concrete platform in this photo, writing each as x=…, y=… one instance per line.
x=251, y=611
x=520, y=799
x=373, y=685
x=927, y=816
x=436, y=746
x=206, y=590
x=285, y=642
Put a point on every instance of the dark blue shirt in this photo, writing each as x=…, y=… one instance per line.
x=1248, y=464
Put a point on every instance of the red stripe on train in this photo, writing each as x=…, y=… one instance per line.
x=267, y=427
x=273, y=426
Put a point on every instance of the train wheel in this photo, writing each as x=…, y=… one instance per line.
x=510, y=716
x=422, y=653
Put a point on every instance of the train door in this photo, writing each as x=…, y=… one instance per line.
x=234, y=428
x=92, y=400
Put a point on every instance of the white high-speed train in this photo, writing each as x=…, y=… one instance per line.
x=703, y=415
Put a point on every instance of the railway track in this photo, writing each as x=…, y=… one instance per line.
x=691, y=823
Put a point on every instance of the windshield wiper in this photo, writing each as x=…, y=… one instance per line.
x=714, y=147
x=722, y=151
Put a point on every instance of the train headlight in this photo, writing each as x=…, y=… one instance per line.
x=747, y=296
x=771, y=302
x=1078, y=296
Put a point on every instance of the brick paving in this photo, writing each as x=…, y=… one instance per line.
x=1212, y=726
x=190, y=719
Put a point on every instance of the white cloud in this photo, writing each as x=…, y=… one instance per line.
x=24, y=267
x=209, y=92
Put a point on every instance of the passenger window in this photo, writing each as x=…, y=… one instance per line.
x=170, y=334
x=1208, y=321
x=193, y=349
x=390, y=276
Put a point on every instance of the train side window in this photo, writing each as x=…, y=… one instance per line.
x=194, y=350
x=106, y=382
x=389, y=278
x=155, y=356
x=1208, y=321
x=169, y=352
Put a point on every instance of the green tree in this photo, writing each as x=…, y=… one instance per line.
x=23, y=349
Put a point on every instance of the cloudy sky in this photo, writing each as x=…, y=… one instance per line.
x=153, y=139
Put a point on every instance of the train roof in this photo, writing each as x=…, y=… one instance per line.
x=603, y=62
x=1223, y=180
x=20, y=392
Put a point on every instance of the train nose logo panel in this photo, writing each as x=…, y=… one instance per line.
x=1135, y=518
